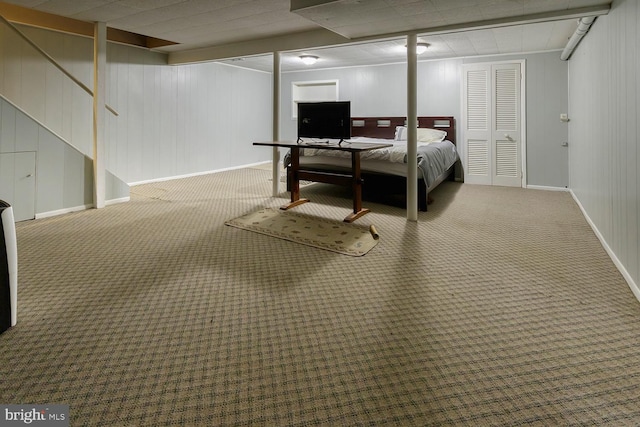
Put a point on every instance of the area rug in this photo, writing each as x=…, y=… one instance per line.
x=323, y=233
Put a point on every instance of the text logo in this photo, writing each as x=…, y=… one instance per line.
x=34, y=415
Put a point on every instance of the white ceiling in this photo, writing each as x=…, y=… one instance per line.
x=539, y=37
x=361, y=32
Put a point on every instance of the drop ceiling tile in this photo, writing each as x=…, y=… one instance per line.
x=455, y=4
x=106, y=13
x=69, y=7
x=148, y=4
x=415, y=8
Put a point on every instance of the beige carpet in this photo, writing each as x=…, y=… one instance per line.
x=322, y=233
x=498, y=308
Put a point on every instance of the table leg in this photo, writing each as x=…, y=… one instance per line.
x=295, y=181
x=356, y=185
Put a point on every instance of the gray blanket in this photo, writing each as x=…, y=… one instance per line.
x=433, y=159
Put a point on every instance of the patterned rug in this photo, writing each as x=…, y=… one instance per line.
x=323, y=233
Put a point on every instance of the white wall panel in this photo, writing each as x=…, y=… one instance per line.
x=26, y=133
x=51, y=181
x=53, y=98
x=382, y=90
x=32, y=83
x=179, y=120
x=11, y=64
x=3, y=36
x=73, y=177
x=45, y=93
x=167, y=117
x=604, y=92
x=7, y=128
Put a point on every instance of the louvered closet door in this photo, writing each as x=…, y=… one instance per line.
x=492, y=124
x=477, y=135
x=506, y=125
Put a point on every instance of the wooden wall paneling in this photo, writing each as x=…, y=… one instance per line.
x=73, y=177
x=12, y=66
x=221, y=120
x=151, y=120
x=4, y=31
x=630, y=87
x=210, y=87
x=54, y=98
x=7, y=127
x=33, y=83
x=214, y=120
x=82, y=121
x=255, y=97
x=182, y=74
x=50, y=188
x=134, y=123
x=111, y=98
x=120, y=82
x=167, y=125
x=603, y=154
x=184, y=97
x=26, y=132
x=633, y=156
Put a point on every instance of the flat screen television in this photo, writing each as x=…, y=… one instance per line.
x=326, y=120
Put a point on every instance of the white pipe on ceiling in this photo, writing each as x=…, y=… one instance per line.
x=583, y=28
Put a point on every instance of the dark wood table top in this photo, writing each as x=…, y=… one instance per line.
x=344, y=146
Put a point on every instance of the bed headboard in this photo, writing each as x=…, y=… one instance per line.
x=385, y=127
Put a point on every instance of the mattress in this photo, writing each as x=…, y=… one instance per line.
x=434, y=159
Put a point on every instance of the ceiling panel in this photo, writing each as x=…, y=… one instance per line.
x=360, y=18
x=538, y=37
x=246, y=28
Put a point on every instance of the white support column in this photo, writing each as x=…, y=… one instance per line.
x=412, y=125
x=276, y=123
x=99, y=105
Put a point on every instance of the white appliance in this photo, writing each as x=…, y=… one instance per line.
x=8, y=268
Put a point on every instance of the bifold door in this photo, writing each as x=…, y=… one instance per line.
x=492, y=124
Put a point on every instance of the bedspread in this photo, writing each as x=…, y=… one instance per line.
x=434, y=158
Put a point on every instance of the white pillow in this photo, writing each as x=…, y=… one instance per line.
x=424, y=134
x=401, y=133
x=431, y=135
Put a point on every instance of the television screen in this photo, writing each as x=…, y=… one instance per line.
x=330, y=120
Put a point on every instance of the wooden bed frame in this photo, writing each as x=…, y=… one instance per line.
x=376, y=184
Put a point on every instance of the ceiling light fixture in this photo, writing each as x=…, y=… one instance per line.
x=421, y=47
x=308, y=59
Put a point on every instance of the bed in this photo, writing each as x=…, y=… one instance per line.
x=384, y=171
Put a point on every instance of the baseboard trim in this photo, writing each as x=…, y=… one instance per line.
x=116, y=201
x=545, y=188
x=50, y=214
x=190, y=175
x=632, y=284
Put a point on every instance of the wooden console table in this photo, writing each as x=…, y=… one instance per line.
x=354, y=180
